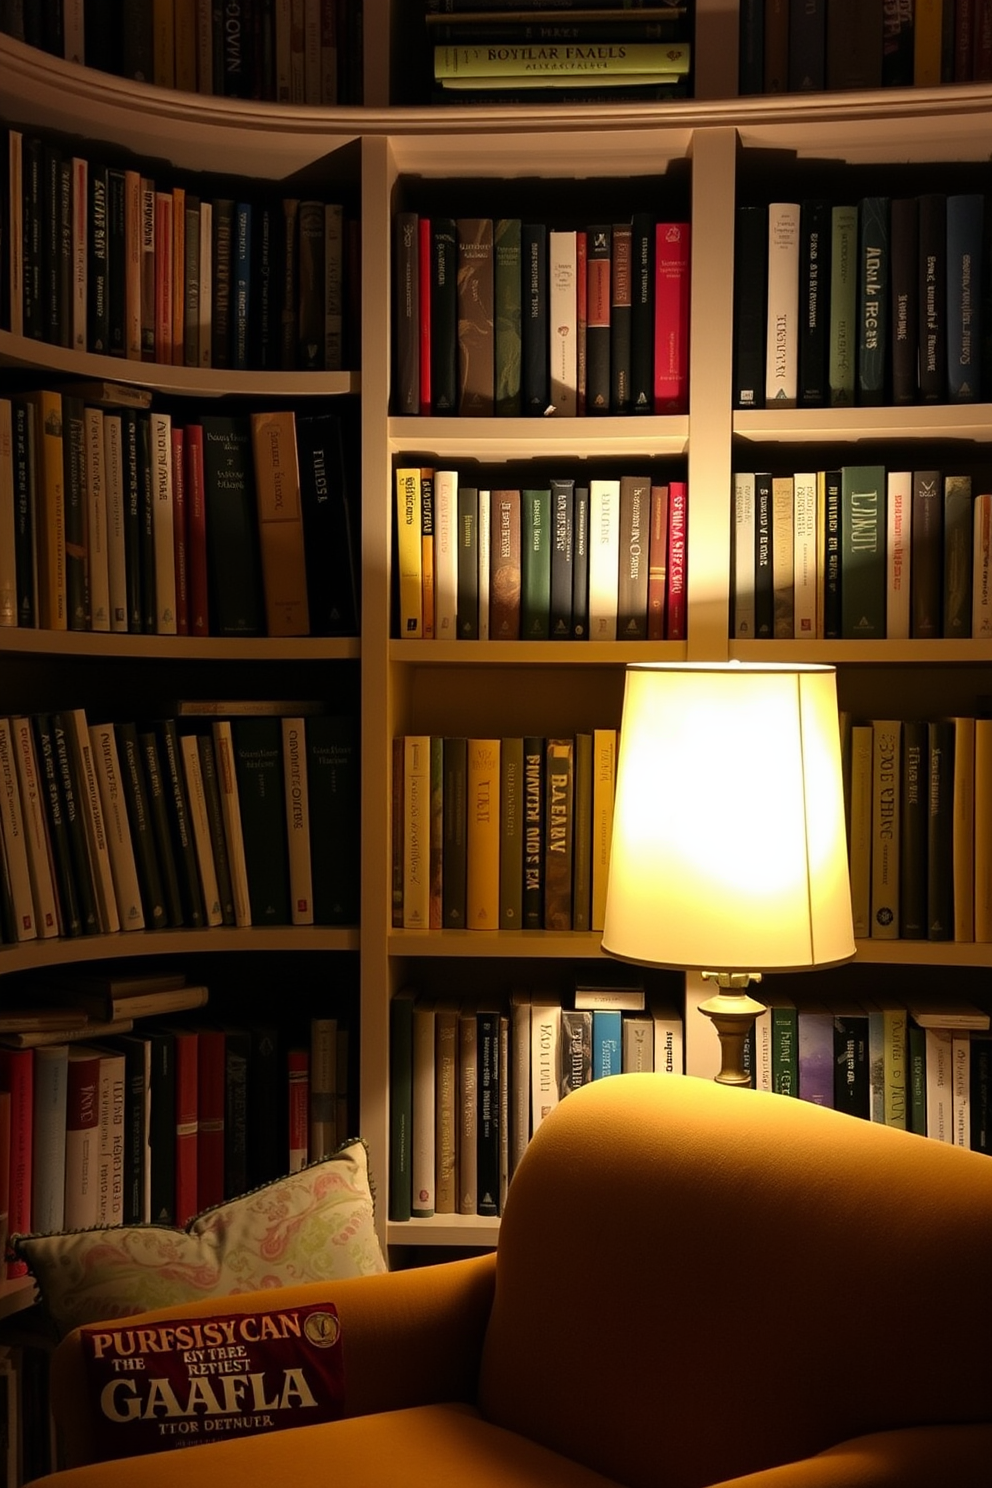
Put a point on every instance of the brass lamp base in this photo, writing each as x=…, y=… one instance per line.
x=733, y=1013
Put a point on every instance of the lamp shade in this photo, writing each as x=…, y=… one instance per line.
x=729, y=848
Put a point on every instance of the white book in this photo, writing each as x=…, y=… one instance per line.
x=294, y=761
x=422, y=1168
x=205, y=297
x=860, y=828
x=333, y=286
x=981, y=588
x=637, y=1045
x=91, y=810
x=14, y=842
x=113, y=465
x=416, y=831
x=80, y=246
x=123, y=868
x=485, y=550
x=73, y=31
x=961, y=1088
x=604, y=767
x=669, y=1039
x=898, y=510
x=446, y=555
x=8, y=566
x=545, y=1059
x=886, y=775
x=562, y=320
x=82, y=1139
x=804, y=562
x=15, y=237
x=604, y=557
x=51, y=1077
x=782, y=340
x=940, y=1084
x=763, y=1051
x=46, y=905
x=163, y=524
x=744, y=555
x=446, y=1108
x=197, y=801
x=230, y=805
x=97, y=531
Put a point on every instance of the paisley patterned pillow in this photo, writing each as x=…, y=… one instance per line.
x=315, y=1225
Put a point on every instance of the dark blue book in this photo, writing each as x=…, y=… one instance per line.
x=851, y=1083
x=534, y=346
x=814, y=299
x=873, y=299
x=981, y=1093
x=97, y=286
x=965, y=229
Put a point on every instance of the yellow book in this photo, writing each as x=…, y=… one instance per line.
x=416, y=831
x=927, y=42
x=409, y=552
x=482, y=835
x=49, y=513
x=280, y=523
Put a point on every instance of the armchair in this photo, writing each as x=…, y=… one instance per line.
x=693, y=1286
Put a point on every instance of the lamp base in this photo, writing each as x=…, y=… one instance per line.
x=732, y=1012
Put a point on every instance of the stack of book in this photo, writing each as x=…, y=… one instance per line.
x=862, y=553
x=509, y=834
x=471, y=1083
x=509, y=317
x=108, y=1119
x=310, y=52
x=538, y=51
x=247, y=818
x=501, y=562
x=874, y=301
x=102, y=258
x=116, y=517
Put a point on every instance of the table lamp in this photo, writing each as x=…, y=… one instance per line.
x=729, y=849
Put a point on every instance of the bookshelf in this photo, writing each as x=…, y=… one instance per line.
x=392, y=154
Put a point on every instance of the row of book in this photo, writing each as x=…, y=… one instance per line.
x=601, y=559
x=923, y=1068
x=874, y=301
x=127, y=519
x=130, y=1120
x=299, y=51
x=861, y=553
x=507, y=317
x=102, y=257
x=502, y=834
x=920, y=828
x=198, y=821
x=470, y=1085
x=792, y=46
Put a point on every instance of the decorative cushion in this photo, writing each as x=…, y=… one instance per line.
x=314, y=1225
x=195, y=1380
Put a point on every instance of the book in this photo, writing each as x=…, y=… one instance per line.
x=409, y=553
x=124, y=872
x=863, y=526
x=940, y=824
x=562, y=505
x=224, y=781
x=482, y=834
x=604, y=553
x=782, y=328
x=860, y=819
x=963, y=828
x=673, y=242
x=329, y=531
x=885, y=854
x=815, y=1048
x=965, y=229
x=446, y=1020
x=280, y=519
x=488, y=1113
x=926, y=555
x=559, y=823
x=534, y=344
x=904, y=245
x=80, y=1197
x=958, y=556
x=475, y=290
x=874, y=274
x=233, y=562
x=750, y=305
x=511, y=812
x=467, y=563
x=467, y=1158
x=416, y=831
x=842, y=355
x=913, y=830
x=562, y=305
x=406, y=292
x=932, y=296
x=48, y=1178
x=505, y=572
x=632, y=585
x=333, y=780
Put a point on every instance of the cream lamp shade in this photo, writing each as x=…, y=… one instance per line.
x=729, y=848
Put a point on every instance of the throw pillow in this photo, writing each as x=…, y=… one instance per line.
x=314, y=1225
x=196, y=1380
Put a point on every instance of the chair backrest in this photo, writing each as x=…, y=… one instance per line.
x=695, y=1282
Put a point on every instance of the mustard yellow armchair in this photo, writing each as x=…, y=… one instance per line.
x=693, y=1286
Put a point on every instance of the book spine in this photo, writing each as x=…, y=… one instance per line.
x=559, y=821
x=814, y=269
x=965, y=235
x=534, y=343
x=885, y=857
x=475, y=300
x=511, y=833
x=750, y=305
x=782, y=333
x=874, y=274
x=482, y=834
x=671, y=318
x=863, y=525
x=487, y=1128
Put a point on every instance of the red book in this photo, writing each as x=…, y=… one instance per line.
x=187, y=1117
x=180, y=520
x=657, y=562
x=211, y=1063
x=424, y=274
x=298, y=1073
x=677, y=532
x=196, y=533
x=17, y=1076
x=163, y=277
x=671, y=318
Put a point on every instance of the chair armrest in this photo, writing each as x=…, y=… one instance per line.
x=408, y=1338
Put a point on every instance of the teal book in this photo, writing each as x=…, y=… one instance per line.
x=607, y=1033
x=507, y=297
x=863, y=581
x=842, y=348
x=535, y=565
x=874, y=272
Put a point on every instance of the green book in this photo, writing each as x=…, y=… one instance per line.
x=233, y=557
x=843, y=333
x=261, y=797
x=535, y=565
x=862, y=525
x=507, y=308
x=873, y=299
x=785, y=1049
x=917, y=1076
x=333, y=787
